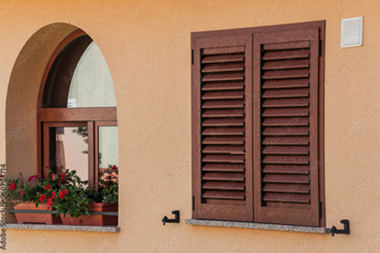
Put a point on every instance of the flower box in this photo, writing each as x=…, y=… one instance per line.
x=94, y=219
x=32, y=217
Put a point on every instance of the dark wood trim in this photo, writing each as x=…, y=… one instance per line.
x=321, y=91
x=77, y=114
x=91, y=154
x=70, y=37
x=259, y=29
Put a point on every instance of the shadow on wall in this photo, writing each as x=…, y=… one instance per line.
x=22, y=99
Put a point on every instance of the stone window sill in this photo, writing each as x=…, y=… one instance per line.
x=235, y=224
x=109, y=229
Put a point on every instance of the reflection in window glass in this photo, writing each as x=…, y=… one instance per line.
x=108, y=147
x=91, y=84
x=70, y=149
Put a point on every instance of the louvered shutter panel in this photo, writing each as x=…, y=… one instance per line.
x=222, y=127
x=286, y=127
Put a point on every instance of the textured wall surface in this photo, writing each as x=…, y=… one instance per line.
x=147, y=47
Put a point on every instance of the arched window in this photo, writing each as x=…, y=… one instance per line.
x=77, y=124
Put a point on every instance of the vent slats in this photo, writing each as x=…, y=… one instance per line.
x=223, y=58
x=233, y=195
x=217, y=86
x=286, y=150
x=287, y=188
x=223, y=176
x=222, y=167
x=285, y=134
x=223, y=95
x=223, y=123
x=223, y=68
x=223, y=104
x=286, y=84
x=278, y=103
x=224, y=150
x=237, y=186
x=286, y=74
x=287, y=198
x=286, y=54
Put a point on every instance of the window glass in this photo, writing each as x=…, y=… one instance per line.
x=91, y=84
x=69, y=149
x=108, y=147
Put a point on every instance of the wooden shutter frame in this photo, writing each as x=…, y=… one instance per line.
x=218, y=211
x=320, y=25
x=288, y=215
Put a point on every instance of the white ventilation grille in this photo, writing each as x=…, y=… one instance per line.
x=352, y=32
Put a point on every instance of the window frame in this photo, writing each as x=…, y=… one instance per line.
x=209, y=35
x=49, y=117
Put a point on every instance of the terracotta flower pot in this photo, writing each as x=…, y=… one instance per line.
x=41, y=218
x=94, y=220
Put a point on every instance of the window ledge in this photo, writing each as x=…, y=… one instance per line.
x=110, y=229
x=238, y=224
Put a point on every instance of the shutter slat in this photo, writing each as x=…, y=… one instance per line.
x=216, y=104
x=223, y=122
x=287, y=188
x=215, y=176
x=296, y=102
x=223, y=68
x=224, y=113
x=286, y=150
x=223, y=58
x=286, y=169
x=285, y=122
x=223, y=50
x=216, y=86
x=288, y=93
x=223, y=149
x=287, y=45
x=283, y=141
x=222, y=167
x=275, y=159
x=286, y=112
x=237, y=186
x=286, y=84
x=288, y=54
x=286, y=74
x=223, y=95
x=233, y=76
x=287, y=198
x=286, y=64
x=290, y=179
x=224, y=131
x=223, y=158
x=223, y=140
x=285, y=131
x=224, y=195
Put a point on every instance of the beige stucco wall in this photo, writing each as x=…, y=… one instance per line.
x=147, y=47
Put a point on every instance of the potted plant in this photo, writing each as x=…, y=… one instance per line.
x=68, y=196
x=77, y=201
x=26, y=199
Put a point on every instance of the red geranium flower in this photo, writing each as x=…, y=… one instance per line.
x=53, y=195
x=62, y=176
x=114, y=167
x=34, y=177
x=21, y=192
x=42, y=198
x=47, y=187
x=62, y=194
x=12, y=186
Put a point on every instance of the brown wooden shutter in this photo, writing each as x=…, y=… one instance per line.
x=286, y=154
x=222, y=127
